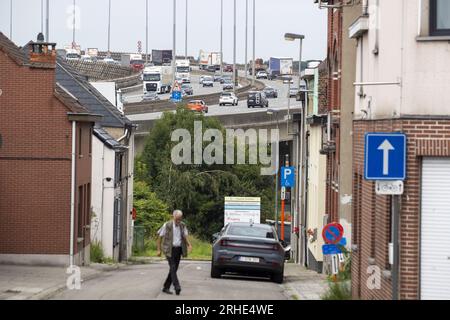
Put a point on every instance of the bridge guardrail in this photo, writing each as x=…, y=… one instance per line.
x=167, y=105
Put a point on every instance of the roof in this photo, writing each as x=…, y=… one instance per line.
x=13, y=51
x=88, y=96
x=107, y=139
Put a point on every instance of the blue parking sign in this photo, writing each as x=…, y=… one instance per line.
x=288, y=177
x=385, y=156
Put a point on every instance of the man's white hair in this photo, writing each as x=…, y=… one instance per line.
x=177, y=213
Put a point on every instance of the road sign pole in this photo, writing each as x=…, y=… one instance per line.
x=395, y=240
x=282, y=219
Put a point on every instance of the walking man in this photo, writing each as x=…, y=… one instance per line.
x=175, y=243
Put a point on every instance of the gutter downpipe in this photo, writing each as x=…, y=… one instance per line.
x=72, y=192
x=124, y=136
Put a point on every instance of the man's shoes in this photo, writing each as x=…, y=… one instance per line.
x=167, y=291
x=177, y=291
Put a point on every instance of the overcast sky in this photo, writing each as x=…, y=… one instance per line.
x=273, y=19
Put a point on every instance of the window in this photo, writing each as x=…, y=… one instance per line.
x=80, y=141
x=439, y=17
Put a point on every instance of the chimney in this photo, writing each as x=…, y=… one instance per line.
x=42, y=54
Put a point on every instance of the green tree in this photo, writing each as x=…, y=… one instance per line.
x=198, y=190
x=151, y=211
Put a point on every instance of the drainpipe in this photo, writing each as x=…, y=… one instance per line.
x=365, y=7
x=72, y=193
x=124, y=136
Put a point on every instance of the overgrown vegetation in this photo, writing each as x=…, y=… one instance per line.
x=198, y=190
x=97, y=254
x=201, y=250
x=339, y=286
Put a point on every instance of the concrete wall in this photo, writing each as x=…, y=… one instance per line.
x=316, y=191
x=422, y=66
x=103, y=163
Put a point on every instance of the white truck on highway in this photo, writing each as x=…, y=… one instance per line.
x=183, y=71
x=157, y=79
x=210, y=59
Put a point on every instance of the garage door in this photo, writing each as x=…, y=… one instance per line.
x=435, y=226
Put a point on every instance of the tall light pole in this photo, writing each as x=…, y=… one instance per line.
x=109, y=28
x=42, y=16
x=47, y=21
x=74, y=24
x=246, y=38
x=146, y=31
x=254, y=43
x=300, y=164
x=221, y=38
x=10, y=19
x=234, y=49
x=186, y=35
x=174, y=46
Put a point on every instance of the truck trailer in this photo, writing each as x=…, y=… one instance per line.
x=157, y=79
x=162, y=57
x=280, y=67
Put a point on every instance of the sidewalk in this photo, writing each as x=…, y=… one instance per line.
x=39, y=283
x=303, y=284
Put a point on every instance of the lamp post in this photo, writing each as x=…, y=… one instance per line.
x=272, y=112
x=10, y=19
x=234, y=50
x=47, y=21
x=246, y=38
x=293, y=37
x=186, y=33
x=146, y=32
x=109, y=28
x=300, y=165
x=221, y=38
x=174, y=45
x=74, y=23
x=254, y=43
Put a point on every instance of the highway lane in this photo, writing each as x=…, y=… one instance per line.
x=136, y=95
x=280, y=103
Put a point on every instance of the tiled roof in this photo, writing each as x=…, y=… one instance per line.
x=88, y=96
x=13, y=51
x=107, y=139
x=69, y=100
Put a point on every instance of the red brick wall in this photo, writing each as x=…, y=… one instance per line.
x=334, y=84
x=371, y=213
x=35, y=162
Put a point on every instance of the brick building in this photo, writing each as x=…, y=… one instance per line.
x=40, y=124
x=404, y=74
x=337, y=145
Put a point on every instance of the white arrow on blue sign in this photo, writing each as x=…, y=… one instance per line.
x=385, y=156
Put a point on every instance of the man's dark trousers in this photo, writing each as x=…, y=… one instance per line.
x=174, y=262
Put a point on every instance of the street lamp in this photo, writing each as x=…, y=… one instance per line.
x=174, y=45
x=293, y=37
x=272, y=112
x=300, y=165
x=254, y=43
x=146, y=32
x=221, y=38
x=246, y=39
x=186, y=35
x=10, y=19
x=234, y=50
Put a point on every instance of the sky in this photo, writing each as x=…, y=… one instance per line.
x=273, y=19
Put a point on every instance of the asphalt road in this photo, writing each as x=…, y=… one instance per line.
x=136, y=95
x=144, y=282
x=280, y=103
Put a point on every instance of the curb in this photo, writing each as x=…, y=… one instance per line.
x=50, y=292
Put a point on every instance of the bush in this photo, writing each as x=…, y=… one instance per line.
x=97, y=255
x=338, y=291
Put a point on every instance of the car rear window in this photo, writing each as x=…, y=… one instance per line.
x=251, y=231
x=226, y=94
x=252, y=95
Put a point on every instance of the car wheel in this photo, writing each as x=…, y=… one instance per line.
x=277, y=277
x=215, y=272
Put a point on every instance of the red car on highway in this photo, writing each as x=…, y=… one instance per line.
x=197, y=106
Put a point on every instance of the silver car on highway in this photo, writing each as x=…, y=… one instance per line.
x=249, y=249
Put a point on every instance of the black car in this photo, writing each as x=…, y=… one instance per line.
x=257, y=99
x=249, y=248
x=270, y=92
